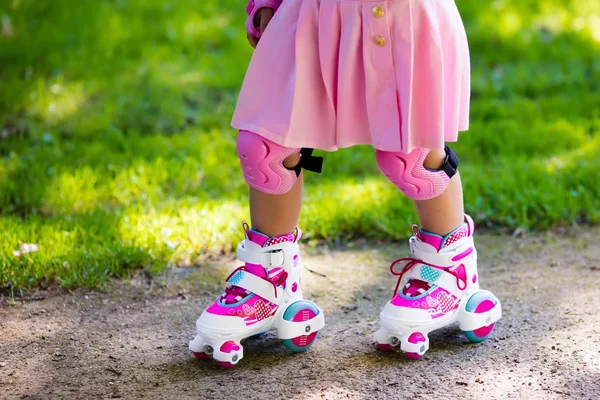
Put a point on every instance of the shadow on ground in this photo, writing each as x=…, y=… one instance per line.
x=131, y=340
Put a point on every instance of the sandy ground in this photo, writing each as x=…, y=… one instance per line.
x=130, y=341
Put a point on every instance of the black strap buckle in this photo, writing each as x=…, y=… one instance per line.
x=308, y=162
x=450, y=166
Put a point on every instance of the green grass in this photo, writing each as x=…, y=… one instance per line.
x=116, y=151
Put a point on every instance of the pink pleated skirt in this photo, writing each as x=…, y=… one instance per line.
x=329, y=74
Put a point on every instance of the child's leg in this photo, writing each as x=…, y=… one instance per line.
x=277, y=214
x=442, y=214
x=264, y=293
x=439, y=283
x=274, y=174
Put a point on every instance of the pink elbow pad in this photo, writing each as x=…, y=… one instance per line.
x=252, y=8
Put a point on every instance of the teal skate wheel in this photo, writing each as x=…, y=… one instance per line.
x=300, y=311
x=478, y=303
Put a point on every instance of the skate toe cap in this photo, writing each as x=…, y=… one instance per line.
x=406, y=314
x=219, y=322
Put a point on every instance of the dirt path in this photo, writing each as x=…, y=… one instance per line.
x=131, y=341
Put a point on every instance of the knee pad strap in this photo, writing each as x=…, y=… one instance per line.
x=262, y=163
x=450, y=166
x=408, y=173
x=309, y=162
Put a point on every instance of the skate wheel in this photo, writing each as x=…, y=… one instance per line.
x=258, y=335
x=228, y=347
x=415, y=338
x=384, y=347
x=202, y=356
x=300, y=311
x=478, y=303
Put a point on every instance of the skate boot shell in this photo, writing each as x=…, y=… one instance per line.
x=437, y=286
x=261, y=296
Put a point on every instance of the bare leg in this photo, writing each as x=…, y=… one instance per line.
x=444, y=213
x=276, y=215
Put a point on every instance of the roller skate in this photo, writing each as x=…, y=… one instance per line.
x=260, y=296
x=436, y=287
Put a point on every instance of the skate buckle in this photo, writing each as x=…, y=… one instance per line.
x=279, y=261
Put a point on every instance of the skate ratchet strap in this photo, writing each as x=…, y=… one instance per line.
x=450, y=166
x=308, y=162
x=257, y=285
x=273, y=258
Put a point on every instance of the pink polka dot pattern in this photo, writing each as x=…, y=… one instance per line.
x=446, y=302
x=248, y=310
x=431, y=302
x=279, y=239
x=262, y=310
x=460, y=233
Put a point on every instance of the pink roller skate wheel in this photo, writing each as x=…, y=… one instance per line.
x=301, y=311
x=202, y=356
x=482, y=307
x=384, y=347
x=415, y=338
x=302, y=316
x=228, y=347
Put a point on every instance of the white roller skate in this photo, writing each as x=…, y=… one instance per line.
x=262, y=295
x=438, y=285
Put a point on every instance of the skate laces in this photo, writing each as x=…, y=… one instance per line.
x=236, y=291
x=411, y=262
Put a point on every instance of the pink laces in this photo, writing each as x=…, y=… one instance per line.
x=411, y=262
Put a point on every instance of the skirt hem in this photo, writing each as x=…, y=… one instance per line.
x=290, y=142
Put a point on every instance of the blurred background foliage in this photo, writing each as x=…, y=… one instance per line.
x=116, y=152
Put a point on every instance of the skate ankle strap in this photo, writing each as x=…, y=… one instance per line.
x=272, y=256
x=447, y=257
x=257, y=285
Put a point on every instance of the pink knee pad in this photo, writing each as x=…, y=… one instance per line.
x=262, y=163
x=407, y=172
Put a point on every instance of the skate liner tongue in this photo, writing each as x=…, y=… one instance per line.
x=439, y=242
x=415, y=287
x=235, y=293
